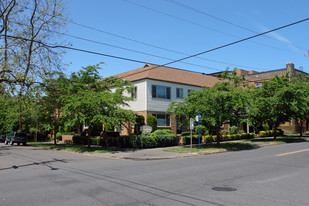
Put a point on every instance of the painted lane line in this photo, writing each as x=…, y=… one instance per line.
x=283, y=154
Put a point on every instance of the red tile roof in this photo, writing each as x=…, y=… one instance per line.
x=155, y=72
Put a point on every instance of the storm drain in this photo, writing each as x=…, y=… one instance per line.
x=224, y=189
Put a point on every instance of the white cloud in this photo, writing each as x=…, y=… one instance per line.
x=279, y=37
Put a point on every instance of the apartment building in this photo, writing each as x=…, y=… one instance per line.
x=155, y=87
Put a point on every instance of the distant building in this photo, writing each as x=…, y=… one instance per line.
x=257, y=78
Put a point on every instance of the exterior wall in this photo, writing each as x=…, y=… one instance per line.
x=161, y=105
x=140, y=103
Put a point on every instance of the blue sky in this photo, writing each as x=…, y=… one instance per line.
x=167, y=31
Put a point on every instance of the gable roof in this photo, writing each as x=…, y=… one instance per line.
x=168, y=74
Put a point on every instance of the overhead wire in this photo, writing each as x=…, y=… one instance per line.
x=206, y=27
x=123, y=48
x=219, y=19
x=138, y=61
x=226, y=45
x=239, y=41
x=154, y=46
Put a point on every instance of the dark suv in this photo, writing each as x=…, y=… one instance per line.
x=16, y=137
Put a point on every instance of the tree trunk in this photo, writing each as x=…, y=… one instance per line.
x=301, y=128
x=55, y=135
x=88, y=136
x=275, y=132
x=218, y=136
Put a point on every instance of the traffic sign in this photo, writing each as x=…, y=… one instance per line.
x=191, y=124
x=197, y=117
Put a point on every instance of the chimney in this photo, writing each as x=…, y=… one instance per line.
x=290, y=68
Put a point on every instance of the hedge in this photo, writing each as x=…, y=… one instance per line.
x=83, y=140
x=80, y=139
x=165, y=138
x=187, y=139
x=159, y=138
x=270, y=133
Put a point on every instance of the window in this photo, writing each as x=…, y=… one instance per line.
x=161, y=92
x=134, y=93
x=163, y=120
x=179, y=93
x=258, y=84
x=189, y=91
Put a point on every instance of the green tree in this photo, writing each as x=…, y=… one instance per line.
x=52, y=103
x=272, y=102
x=92, y=100
x=217, y=105
x=300, y=101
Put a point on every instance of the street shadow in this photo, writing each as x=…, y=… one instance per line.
x=43, y=163
x=280, y=139
x=231, y=146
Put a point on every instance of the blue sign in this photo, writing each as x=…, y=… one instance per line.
x=198, y=117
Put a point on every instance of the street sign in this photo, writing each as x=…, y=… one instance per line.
x=191, y=124
x=197, y=117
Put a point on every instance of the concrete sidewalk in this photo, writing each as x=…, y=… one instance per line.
x=145, y=154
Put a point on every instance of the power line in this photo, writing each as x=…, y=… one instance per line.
x=131, y=50
x=151, y=45
x=96, y=53
x=236, y=42
x=123, y=48
x=138, y=61
x=161, y=48
x=226, y=45
x=217, y=18
x=205, y=27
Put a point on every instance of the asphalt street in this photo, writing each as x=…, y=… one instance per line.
x=272, y=175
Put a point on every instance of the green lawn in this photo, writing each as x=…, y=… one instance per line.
x=213, y=148
x=72, y=147
x=279, y=140
x=236, y=146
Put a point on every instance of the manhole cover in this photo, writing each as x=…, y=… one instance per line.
x=224, y=189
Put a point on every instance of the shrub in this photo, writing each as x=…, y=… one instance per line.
x=68, y=141
x=152, y=121
x=187, y=133
x=135, y=141
x=112, y=134
x=270, y=133
x=147, y=141
x=80, y=140
x=68, y=133
x=165, y=138
x=187, y=139
x=210, y=138
x=124, y=141
x=111, y=141
x=203, y=130
x=265, y=127
x=226, y=137
x=234, y=130
x=59, y=136
x=140, y=120
x=95, y=141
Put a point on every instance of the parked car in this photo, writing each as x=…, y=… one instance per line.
x=2, y=137
x=16, y=137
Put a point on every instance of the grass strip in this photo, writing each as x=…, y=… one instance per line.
x=72, y=147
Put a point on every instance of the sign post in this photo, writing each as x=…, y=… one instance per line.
x=197, y=118
x=191, y=128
